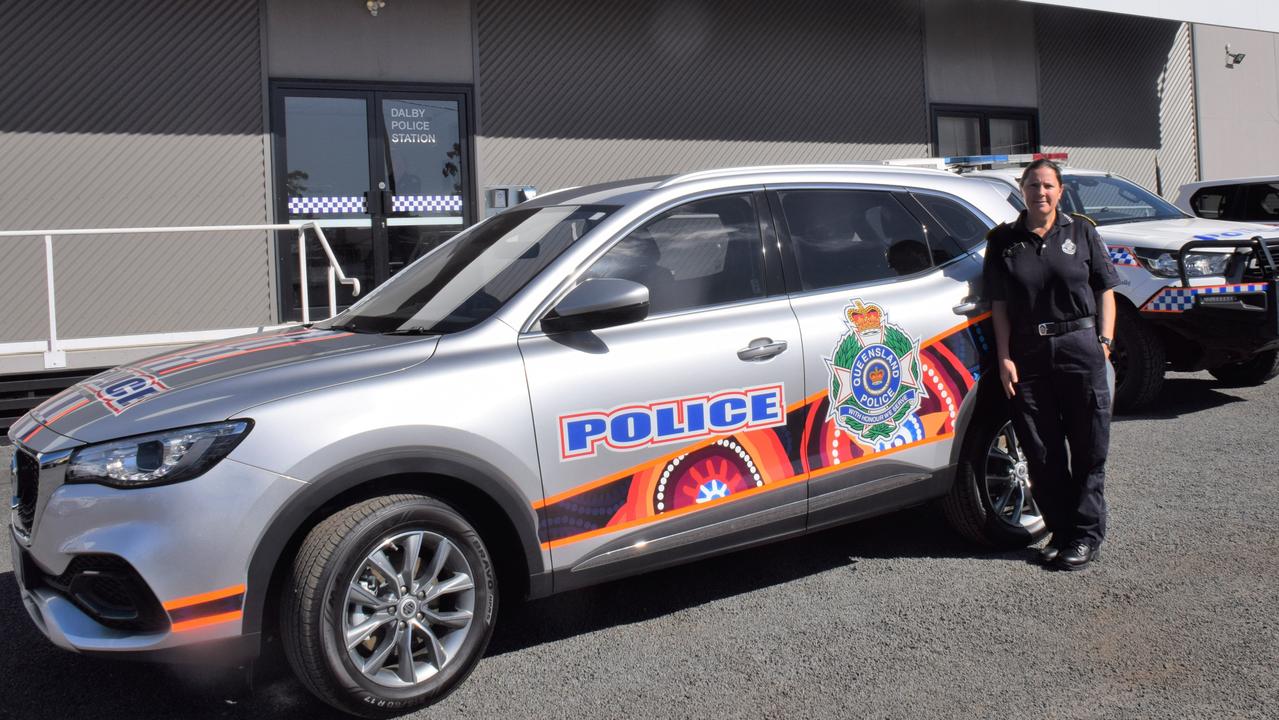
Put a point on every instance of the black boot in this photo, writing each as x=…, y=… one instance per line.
x=1076, y=556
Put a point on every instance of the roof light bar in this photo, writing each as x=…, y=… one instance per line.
x=963, y=161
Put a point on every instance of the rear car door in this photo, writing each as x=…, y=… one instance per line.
x=667, y=438
x=885, y=299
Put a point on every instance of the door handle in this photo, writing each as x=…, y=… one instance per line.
x=762, y=349
x=970, y=306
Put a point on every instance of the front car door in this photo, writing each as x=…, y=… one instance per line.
x=667, y=438
x=884, y=299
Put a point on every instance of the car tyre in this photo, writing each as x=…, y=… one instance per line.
x=990, y=502
x=1253, y=371
x=344, y=624
x=1139, y=360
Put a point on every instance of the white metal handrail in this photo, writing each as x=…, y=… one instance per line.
x=55, y=350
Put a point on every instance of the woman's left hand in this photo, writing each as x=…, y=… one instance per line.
x=1105, y=350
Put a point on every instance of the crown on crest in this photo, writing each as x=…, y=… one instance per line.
x=865, y=318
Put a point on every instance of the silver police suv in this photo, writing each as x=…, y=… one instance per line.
x=597, y=382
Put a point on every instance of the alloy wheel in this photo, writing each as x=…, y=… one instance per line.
x=1007, y=484
x=408, y=609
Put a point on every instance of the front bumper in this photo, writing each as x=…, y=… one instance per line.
x=187, y=545
x=1229, y=323
x=1233, y=321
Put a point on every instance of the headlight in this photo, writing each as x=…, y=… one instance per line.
x=164, y=457
x=1164, y=263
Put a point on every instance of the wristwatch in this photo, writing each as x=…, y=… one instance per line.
x=1108, y=342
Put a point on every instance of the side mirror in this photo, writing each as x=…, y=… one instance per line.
x=598, y=303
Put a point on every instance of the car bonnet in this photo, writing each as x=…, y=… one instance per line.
x=1172, y=234
x=215, y=381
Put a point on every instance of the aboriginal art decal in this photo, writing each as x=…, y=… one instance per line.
x=915, y=400
x=875, y=381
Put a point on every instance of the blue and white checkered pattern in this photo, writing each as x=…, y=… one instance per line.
x=1123, y=256
x=426, y=203
x=330, y=205
x=1182, y=299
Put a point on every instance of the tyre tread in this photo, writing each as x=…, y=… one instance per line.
x=303, y=649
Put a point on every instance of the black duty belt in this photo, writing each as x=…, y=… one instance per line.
x=1061, y=328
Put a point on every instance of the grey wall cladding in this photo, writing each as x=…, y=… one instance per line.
x=572, y=92
x=1116, y=93
x=141, y=115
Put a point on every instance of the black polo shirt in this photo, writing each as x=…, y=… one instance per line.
x=1049, y=279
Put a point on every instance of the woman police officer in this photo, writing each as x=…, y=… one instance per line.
x=1050, y=281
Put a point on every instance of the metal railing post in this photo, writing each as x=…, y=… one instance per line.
x=333, y=292
x=306, y=295
x=54, y=357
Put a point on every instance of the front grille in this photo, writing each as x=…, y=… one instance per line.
x=26, y=486
x=1255, y=269
x=110, y=591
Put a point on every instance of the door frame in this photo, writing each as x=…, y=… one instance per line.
x=277, y=195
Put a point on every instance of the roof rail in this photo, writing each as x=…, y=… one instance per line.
x=778, y=169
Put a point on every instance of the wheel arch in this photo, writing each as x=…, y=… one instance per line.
x=981, y=399
x=487, y=499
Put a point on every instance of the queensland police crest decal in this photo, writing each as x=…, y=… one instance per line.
x=875, y=381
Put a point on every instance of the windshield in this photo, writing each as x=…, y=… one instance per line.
x=1111, y=200
x=465, y=280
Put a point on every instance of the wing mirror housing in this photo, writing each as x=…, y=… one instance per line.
x=598, y=303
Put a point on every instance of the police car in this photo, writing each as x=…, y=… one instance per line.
x=1197, y=293
x=597, y=382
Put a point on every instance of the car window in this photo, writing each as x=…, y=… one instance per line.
x=842, y=237
x=1261, y=202
x=1210, y=202
x=1110, y=200
x=959, y=223
x=707, y=252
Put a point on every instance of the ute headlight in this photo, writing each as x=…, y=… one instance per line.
x=164, y=457
x=1164, y=263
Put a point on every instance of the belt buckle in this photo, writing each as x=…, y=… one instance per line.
x=1043, y=329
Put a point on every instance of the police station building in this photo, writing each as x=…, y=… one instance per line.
x=395, y=123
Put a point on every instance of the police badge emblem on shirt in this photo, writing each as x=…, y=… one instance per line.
x=1068, y=247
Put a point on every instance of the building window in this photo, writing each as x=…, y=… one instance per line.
x=973, y=130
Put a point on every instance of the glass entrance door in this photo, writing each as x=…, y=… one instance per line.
x=384, y=172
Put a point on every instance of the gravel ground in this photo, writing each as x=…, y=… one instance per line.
x=887, y=618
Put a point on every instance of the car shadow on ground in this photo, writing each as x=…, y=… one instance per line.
x=36, y=677
x=917, y=532
x=1184, y=396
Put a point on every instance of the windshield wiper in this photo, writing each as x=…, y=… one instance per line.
x=348, y=328
x=415, y=330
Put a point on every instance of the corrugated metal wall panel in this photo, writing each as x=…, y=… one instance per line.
x=145, y=117
x=22, y=289
x=1178, y=153
x=1115, y=93
x=573, y=92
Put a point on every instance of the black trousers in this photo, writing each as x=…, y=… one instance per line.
x=1062, y=401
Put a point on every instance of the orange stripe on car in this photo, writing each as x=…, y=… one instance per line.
x=55, y=418
x=204, y=597
x=206, y=621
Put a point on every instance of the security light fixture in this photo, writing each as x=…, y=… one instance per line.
x=1233, y=58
